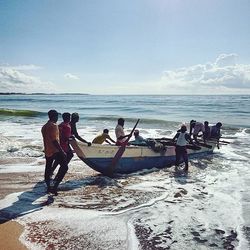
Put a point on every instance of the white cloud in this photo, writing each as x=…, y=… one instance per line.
x=12, y=79
x=71, y=76
x=222, y=75
x=26, y=67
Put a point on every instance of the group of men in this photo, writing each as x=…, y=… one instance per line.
x=56, y=144
x=183, y=138
x=58, y=151
x=207, y=131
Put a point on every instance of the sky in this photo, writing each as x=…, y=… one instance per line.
x=125, y=47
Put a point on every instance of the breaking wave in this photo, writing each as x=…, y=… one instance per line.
x=20, y=112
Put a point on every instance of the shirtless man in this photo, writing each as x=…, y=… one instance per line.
x=53, y=151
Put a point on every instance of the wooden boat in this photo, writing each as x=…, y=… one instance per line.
x=135, y=158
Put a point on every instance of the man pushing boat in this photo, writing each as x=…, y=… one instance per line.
x=182, y=139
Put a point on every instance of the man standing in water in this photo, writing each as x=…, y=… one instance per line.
x=183, y=138
x=64, y=135
x=53, y=151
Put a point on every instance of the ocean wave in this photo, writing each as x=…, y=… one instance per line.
x=131, y=119
x=20, y=112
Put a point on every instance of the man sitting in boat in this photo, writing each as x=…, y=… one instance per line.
x=119, y=132
x=183, y=138
x=104, y=137
x=139, y=140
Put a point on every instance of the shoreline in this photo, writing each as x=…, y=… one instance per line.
x=11, y=230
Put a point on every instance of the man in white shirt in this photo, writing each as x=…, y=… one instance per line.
x=195, y=129
x=183, y=138
x=119, y=132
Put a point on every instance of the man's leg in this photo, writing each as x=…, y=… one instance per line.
x=185, y=158
x=47, y=172
x=54, y=166
x=61, y=172
x=69, y=156
x=177, y=156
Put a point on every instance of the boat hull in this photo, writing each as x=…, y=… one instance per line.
x=135, y=158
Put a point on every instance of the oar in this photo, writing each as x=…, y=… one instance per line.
x=226, y=142
x=201, y=144
x=220, y=141
x=120, y=152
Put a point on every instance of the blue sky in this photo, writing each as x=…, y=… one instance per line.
x=125, y=47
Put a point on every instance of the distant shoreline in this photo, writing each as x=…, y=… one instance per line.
x=15, y=93
x=85, y=94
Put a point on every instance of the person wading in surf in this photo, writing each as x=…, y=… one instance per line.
x=183, y=138
x=53, y=151
x=64, y=135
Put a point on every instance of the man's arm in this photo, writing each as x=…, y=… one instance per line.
x=57, y=145
x=188, y=138
x=175, y=137
x=123, y=136
x=77, y=136
x=110, y=140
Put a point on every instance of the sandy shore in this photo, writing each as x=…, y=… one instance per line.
x=9, y=236
x=10, y=231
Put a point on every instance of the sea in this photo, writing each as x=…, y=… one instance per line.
x=209, y=208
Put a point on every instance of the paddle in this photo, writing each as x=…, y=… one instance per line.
x=220, y=141
x=120, y=152
x=204, y=145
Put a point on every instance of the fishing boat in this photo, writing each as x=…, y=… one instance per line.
x=99, y=157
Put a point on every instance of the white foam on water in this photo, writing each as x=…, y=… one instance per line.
x=76, y=224
x=9, y=200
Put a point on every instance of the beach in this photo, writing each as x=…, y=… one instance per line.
x=149, y=209
x=11, y=230
x=9, y=238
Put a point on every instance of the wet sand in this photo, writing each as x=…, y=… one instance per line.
x=9, y=236
x=10, y=231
